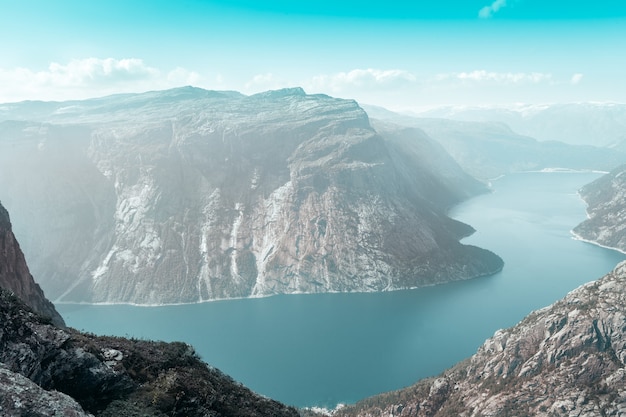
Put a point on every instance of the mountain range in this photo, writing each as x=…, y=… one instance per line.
x=598, y=124
x=489, y=148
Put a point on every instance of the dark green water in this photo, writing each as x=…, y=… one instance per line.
x=330, y=348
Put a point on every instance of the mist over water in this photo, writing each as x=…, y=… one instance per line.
x=329, y=348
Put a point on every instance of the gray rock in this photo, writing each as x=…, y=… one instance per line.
x=15, y=275
x=19, y=396
x=606, y=203
x=567, y=359
x=189, y=195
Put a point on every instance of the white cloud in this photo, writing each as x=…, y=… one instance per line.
x=182, y=76
x=89, y=77
x=362, y=78
x=262, y=82
x=488, y=11
x=482, y=76
x=576, y=78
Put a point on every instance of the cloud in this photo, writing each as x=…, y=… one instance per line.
x=182, y=76
x=363, y=78
x=488, y=11
x=576, y=78
x=89, y=77
x=482, y=76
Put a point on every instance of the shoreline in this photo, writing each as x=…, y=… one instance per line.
x=576, y=236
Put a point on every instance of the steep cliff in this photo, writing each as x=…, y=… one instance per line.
x=15, y=275
x=567, y=359
x=606, y=210
x=188, y=195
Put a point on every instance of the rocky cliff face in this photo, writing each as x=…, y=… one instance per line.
x=567, y=359
x=606, y=204
x=189, y=195
x=15, y=275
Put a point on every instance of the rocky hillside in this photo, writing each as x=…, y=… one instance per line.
x=15, y=275
x=606, y=210
x=487, y=149
x=565, y=360
x=109, y=376
x=188, y=195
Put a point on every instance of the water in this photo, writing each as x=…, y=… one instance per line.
x=325, y=349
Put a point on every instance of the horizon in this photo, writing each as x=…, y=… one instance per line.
x=403, y=57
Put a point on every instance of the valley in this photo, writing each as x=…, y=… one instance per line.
x=324, y=349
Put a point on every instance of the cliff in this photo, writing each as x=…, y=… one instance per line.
x=606, y=200
x=567, y=359
x=15, y=275
x=47, y=370
x=189, y=195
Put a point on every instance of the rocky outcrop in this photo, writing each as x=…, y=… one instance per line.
x=606, y=204
x=19, y=396
x=567, y=359
x=189, y=195
x=42, y=366
x=15, y=275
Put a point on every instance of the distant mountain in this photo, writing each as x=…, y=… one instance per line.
x=564, y=360
x=486, y=149
x=46, y=370
x=598, y=124
x=606, y=210
x=188, y=195
x=15, y=275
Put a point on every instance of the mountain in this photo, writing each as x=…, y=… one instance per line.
x=487, y=149
x=15, y=275
x=567, y=359
x=606, y=219
x=47, y=370
x=188, y=195
x=598, y=124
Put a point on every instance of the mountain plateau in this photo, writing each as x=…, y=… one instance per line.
x=189, y=195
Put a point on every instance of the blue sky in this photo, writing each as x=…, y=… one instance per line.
x=399, y=54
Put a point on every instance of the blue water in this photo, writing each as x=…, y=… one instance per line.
x=330, y=348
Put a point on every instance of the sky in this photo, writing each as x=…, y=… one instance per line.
x=400, y=54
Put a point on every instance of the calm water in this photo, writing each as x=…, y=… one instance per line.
x=324, y=349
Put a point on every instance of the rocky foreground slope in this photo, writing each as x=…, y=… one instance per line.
x=48, y=371
x=606, y=210
x=189, y=195
x=568, y=359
